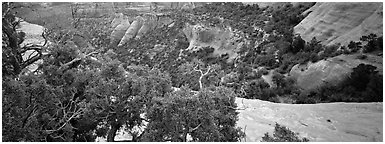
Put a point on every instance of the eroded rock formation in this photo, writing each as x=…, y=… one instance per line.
x=119, y=31
x=223, y=40
x=132, y=30
x=123, y=31
x=149, y=23
x=117, y=20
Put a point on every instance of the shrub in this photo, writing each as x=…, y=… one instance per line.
x=373, y=43
x=278, y=79
x=363, y=85
x=264, y=71
x=209, y=115
x=283, y=134
x=354, y=46
x=362, y=56
x=256, y=89
x=298, y=44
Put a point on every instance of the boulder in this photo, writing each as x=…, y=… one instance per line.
x=341, y=22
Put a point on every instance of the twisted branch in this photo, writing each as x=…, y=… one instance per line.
x=67, y=65
x=202, y=75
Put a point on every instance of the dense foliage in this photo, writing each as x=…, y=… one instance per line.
x=283, y=134
x=186, y=116
x=363, y=85
x=151, y=87
x=84, y=90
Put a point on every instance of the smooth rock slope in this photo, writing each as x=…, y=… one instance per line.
x=330, y=71
x=339, y=22
x=326, y=122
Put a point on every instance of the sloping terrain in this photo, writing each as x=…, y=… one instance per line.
x=326, y=122
x=224, y=41
x=334, y=23
x=330, y=71
x=318, y=122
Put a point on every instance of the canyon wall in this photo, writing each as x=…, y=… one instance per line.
x=339, y=22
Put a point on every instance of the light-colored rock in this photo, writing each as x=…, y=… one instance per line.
x=223, y=40
x=33, y=35
x=119, y=31
x=330, y=71
x=326, y=122
x=132, y=30
x=149, y=24
x=117, y=20
x=341, y=22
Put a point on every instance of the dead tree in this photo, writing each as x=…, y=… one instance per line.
x=202, y=74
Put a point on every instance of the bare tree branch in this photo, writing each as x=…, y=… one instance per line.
x=28, y=116
x=67, y=65
x=78, y=112
x=191, y=130
x=202, y=75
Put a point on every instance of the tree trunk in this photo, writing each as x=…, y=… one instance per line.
x=112, y=132
x=184, y=138
x=200, y=82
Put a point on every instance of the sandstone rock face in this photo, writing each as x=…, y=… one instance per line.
x=341, y=22
x=223, y=40
x=132, y=30
x=119, y=31
x=140, y=26
x=117, y=20
x=149, y=24
x=330, y=71
x=327, y=122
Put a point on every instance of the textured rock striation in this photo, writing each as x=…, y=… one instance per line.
x=132, y=30
x=339, y=22
x=119, y=31
x=123, y=30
